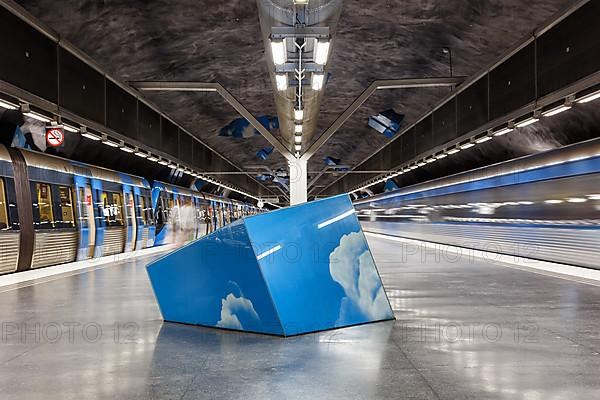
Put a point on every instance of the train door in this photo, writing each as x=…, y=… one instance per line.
x=161, y=218
x=130, y=218
x=204, y=217
x=209, y=216
x=145, y=235
x=86, y=221
x=98, y=216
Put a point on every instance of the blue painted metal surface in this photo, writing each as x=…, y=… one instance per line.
x=296, y=270
x=387, y=122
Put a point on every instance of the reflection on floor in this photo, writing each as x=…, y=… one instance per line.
x=464, y=329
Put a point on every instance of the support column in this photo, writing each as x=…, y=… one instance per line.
x=298, y=181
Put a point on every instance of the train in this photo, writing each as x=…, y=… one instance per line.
x=55, y=211
x=541, y=207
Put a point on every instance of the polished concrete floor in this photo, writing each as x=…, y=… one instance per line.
x=465, y=329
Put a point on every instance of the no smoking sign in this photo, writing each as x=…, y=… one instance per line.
x=55, y=136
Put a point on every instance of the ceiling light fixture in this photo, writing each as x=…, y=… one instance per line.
x=503, y=131
x=70, y=128
x=321, y=51
x=317, y=81
x=589, y=97
x=483, y=139
x=556, y=110
x=298, y=128
x=467, y=145
x=141, y=154
x=8, y=105
x=38, y=116
x=111, y=143
x=278, y=50
x=92, y=136
x=298, y=139
x=527, y=122
x=281, y=81
x=298, y=115
x=126, y=149
x=297, y=147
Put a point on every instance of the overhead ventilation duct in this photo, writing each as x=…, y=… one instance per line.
x=298, y=41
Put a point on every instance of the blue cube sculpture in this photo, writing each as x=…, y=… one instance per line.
x=296, y=270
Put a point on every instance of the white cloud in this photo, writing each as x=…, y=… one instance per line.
x=233, y=308
x=351, y=265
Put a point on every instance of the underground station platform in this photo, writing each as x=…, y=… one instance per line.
x=298, y=199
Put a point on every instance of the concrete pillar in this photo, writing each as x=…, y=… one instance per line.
x=298, y=181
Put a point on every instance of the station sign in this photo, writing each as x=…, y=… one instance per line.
x=55, y=136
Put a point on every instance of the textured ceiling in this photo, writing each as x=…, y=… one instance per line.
x=221, y=41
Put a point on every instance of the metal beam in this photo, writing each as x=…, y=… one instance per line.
x=364, y=96
x=173, y=86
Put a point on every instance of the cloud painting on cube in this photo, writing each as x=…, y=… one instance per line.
x=351, y=265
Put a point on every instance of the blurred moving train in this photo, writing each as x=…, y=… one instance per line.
x=544, y=207
x=55, y=211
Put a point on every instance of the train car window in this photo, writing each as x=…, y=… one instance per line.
x=148, y=210
x=11, y=203
x=43, y=217
x=139, y=210
x=160, y=213
x=66, y=217
x=112, y=206
x=130, y=214
x=82, y=209
x=4, y=223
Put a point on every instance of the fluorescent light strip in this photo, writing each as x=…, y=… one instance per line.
x=141, y=154
x=152, y=158
x=298, y=115
x=503, y=131
x=298, y=139
x=454, y=150
x=483, y=139
x=70, y=128
x=556, y=110
x=163, y=162
x=127, y=149
x=38, y=117
x=298, y=128
x=467, y=145
x=281, y=81
x=321, y=51
x=91, y=136
x=7, y=105
x=317, y=81
x=111, y=143
x=527, y=122
x=268, y=252
x=278, y=50
x=440, y=156
x=589, y=97
x=335, y=219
